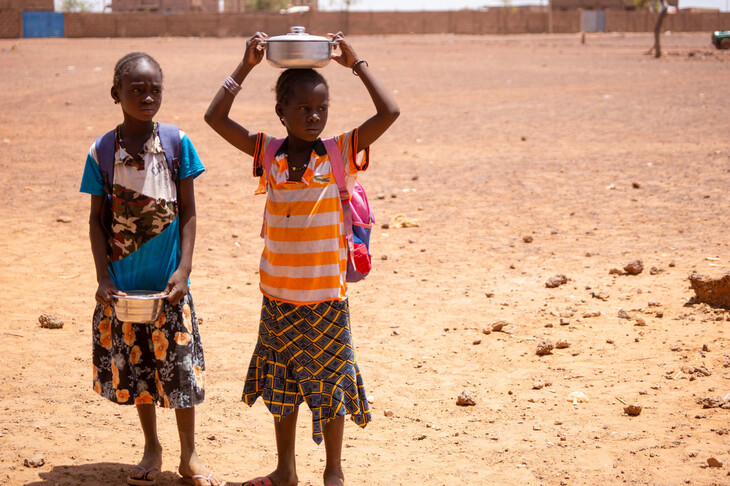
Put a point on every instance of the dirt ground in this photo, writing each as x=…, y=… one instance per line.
x=521, y=157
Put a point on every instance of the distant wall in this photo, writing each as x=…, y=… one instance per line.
x=643, y=21
x=496, y=21
x=11, y=15
x=360, y=23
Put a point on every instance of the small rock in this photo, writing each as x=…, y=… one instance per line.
x=655, y=271
x=527, y=239
x=63, y=219
x=486, y=331
x=49, y=321
x=712, y=291
x=388, y=413
x=544, y=347
x=633, y=410
x=587, y=315
x=465, y=399
x=714, y=401
x=556, y=281
x=499, y=325
x=577, y=397
x=635, y=185
x=562, y=344
x=477, y=342
x=538, y=385
x=705, y=348
x=600, y=295
x=371, y=399
x=385, y=226
x=712, y=462
x=564, y=321
x=635, y=267
x=615, y=271
x=211, y=437
x=640, y=322
x=384, y=257
x=34, y=461
x=622, y=314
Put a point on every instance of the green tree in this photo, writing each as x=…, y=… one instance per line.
x=266, y=5
x=75, y=6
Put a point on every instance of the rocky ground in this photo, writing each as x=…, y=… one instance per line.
x=506, y=335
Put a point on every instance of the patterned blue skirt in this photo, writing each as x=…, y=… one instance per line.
x=305, y=353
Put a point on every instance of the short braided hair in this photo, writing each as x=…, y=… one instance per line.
x=125, y=64
x=291, y=77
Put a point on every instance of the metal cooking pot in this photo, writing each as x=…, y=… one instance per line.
x=298, y=50
x=139, y=306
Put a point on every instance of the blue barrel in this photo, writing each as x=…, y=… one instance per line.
x=42, y=24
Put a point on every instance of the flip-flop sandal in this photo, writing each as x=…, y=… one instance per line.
x=208, y=478
x=262, y=481
x=145, y=479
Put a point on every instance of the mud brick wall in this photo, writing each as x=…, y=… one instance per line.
x=498, y=21
x=11, y=24
x=643, y=21
x=43, y=5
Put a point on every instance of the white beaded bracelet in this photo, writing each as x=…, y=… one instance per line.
x=231, y=86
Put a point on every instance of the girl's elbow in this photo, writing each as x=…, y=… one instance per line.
x=394, y=114
x=209, y=119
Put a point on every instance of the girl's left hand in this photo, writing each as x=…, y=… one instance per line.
x=177, y=287
x=347, y=56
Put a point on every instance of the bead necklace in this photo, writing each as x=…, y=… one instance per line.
x=120, y=141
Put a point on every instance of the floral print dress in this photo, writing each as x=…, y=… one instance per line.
x=161, y=362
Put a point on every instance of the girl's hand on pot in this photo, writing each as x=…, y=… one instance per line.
x=106, y=292
x=255, y=49
x=177, y=287
x=347, y=56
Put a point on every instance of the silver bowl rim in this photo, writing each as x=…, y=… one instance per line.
x=142, y=295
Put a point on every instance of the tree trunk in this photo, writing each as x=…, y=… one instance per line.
x=658, y=28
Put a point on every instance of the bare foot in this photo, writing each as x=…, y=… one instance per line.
x=335, y=477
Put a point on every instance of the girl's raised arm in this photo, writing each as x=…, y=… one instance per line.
x=217, y=114
x=387, y=108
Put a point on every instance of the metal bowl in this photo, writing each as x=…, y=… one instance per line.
x=139, y=306
x=298, y=50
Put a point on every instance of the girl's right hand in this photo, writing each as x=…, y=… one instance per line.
x=106, y=292
x=254, y=49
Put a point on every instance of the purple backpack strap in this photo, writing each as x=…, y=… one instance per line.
x=105, y=148
x=269, y=155
x=171, y=144
x=338, y=169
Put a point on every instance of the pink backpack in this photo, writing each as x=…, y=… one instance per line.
x=356, y=211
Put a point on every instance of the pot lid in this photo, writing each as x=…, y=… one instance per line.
x=297, y=34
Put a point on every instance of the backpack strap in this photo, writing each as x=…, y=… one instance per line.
x=338, y=169
x=105, y=148
x=171, y=145
x=269, y=155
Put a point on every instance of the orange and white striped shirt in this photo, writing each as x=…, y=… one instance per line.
x=305, y=256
